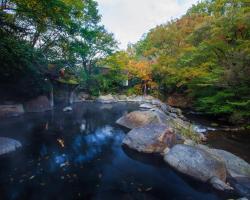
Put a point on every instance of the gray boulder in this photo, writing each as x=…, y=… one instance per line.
x=8, y=145
x=11, y=110
x=141, y=118
x=199, y=164
x=147, y=106
x=152, y=138
x=237, y=168
x=39, y=104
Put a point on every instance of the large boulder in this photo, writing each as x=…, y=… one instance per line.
x=155, y=115
x=199, y=164
x=141, y=118
x=237, y=168
x=8, y=145
x=106, y=99
x=152, y=138
x=39, y=104
x=11, y=110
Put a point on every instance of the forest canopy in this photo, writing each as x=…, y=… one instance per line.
x=38, y=35
x=203, y=56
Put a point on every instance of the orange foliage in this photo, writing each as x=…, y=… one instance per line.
x=143, y=71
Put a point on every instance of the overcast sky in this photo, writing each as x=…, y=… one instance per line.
x=130, y=19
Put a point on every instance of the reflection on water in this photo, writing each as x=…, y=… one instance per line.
x=78, y=155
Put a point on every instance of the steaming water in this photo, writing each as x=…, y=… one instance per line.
x=78, y=155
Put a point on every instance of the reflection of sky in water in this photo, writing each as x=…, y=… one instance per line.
x=85, y=148
x=43, y=150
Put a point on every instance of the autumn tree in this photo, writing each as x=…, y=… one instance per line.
x=142, y=71
x=204, y=55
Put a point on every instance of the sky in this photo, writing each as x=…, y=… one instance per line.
x=130, y=19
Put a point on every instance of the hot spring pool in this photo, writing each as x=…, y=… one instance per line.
x=78, y=155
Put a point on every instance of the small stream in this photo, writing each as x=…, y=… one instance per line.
x=78, y=155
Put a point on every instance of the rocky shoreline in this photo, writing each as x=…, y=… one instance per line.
x=38, y=104
x=157, y=130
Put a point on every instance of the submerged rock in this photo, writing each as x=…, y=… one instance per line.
x=8, y=145
x=199, y=164
x=11, y=110
x=152, y=138
x=140, y=118
x=39, y=104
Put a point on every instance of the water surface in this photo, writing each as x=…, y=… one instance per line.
x=236, y=142
x=78, y=155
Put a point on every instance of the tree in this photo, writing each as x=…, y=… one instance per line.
x=204, y=55
x=142, y=70
x=91, y=42
x=66, y=33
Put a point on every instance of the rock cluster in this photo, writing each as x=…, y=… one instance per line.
x=160, y=129
x=38, y=104
x=143, y=100
x=151, y=138
x=139, y=118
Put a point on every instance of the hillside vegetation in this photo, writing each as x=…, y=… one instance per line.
x=204, y=56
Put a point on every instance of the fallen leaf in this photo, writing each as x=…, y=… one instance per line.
x=61, y=142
